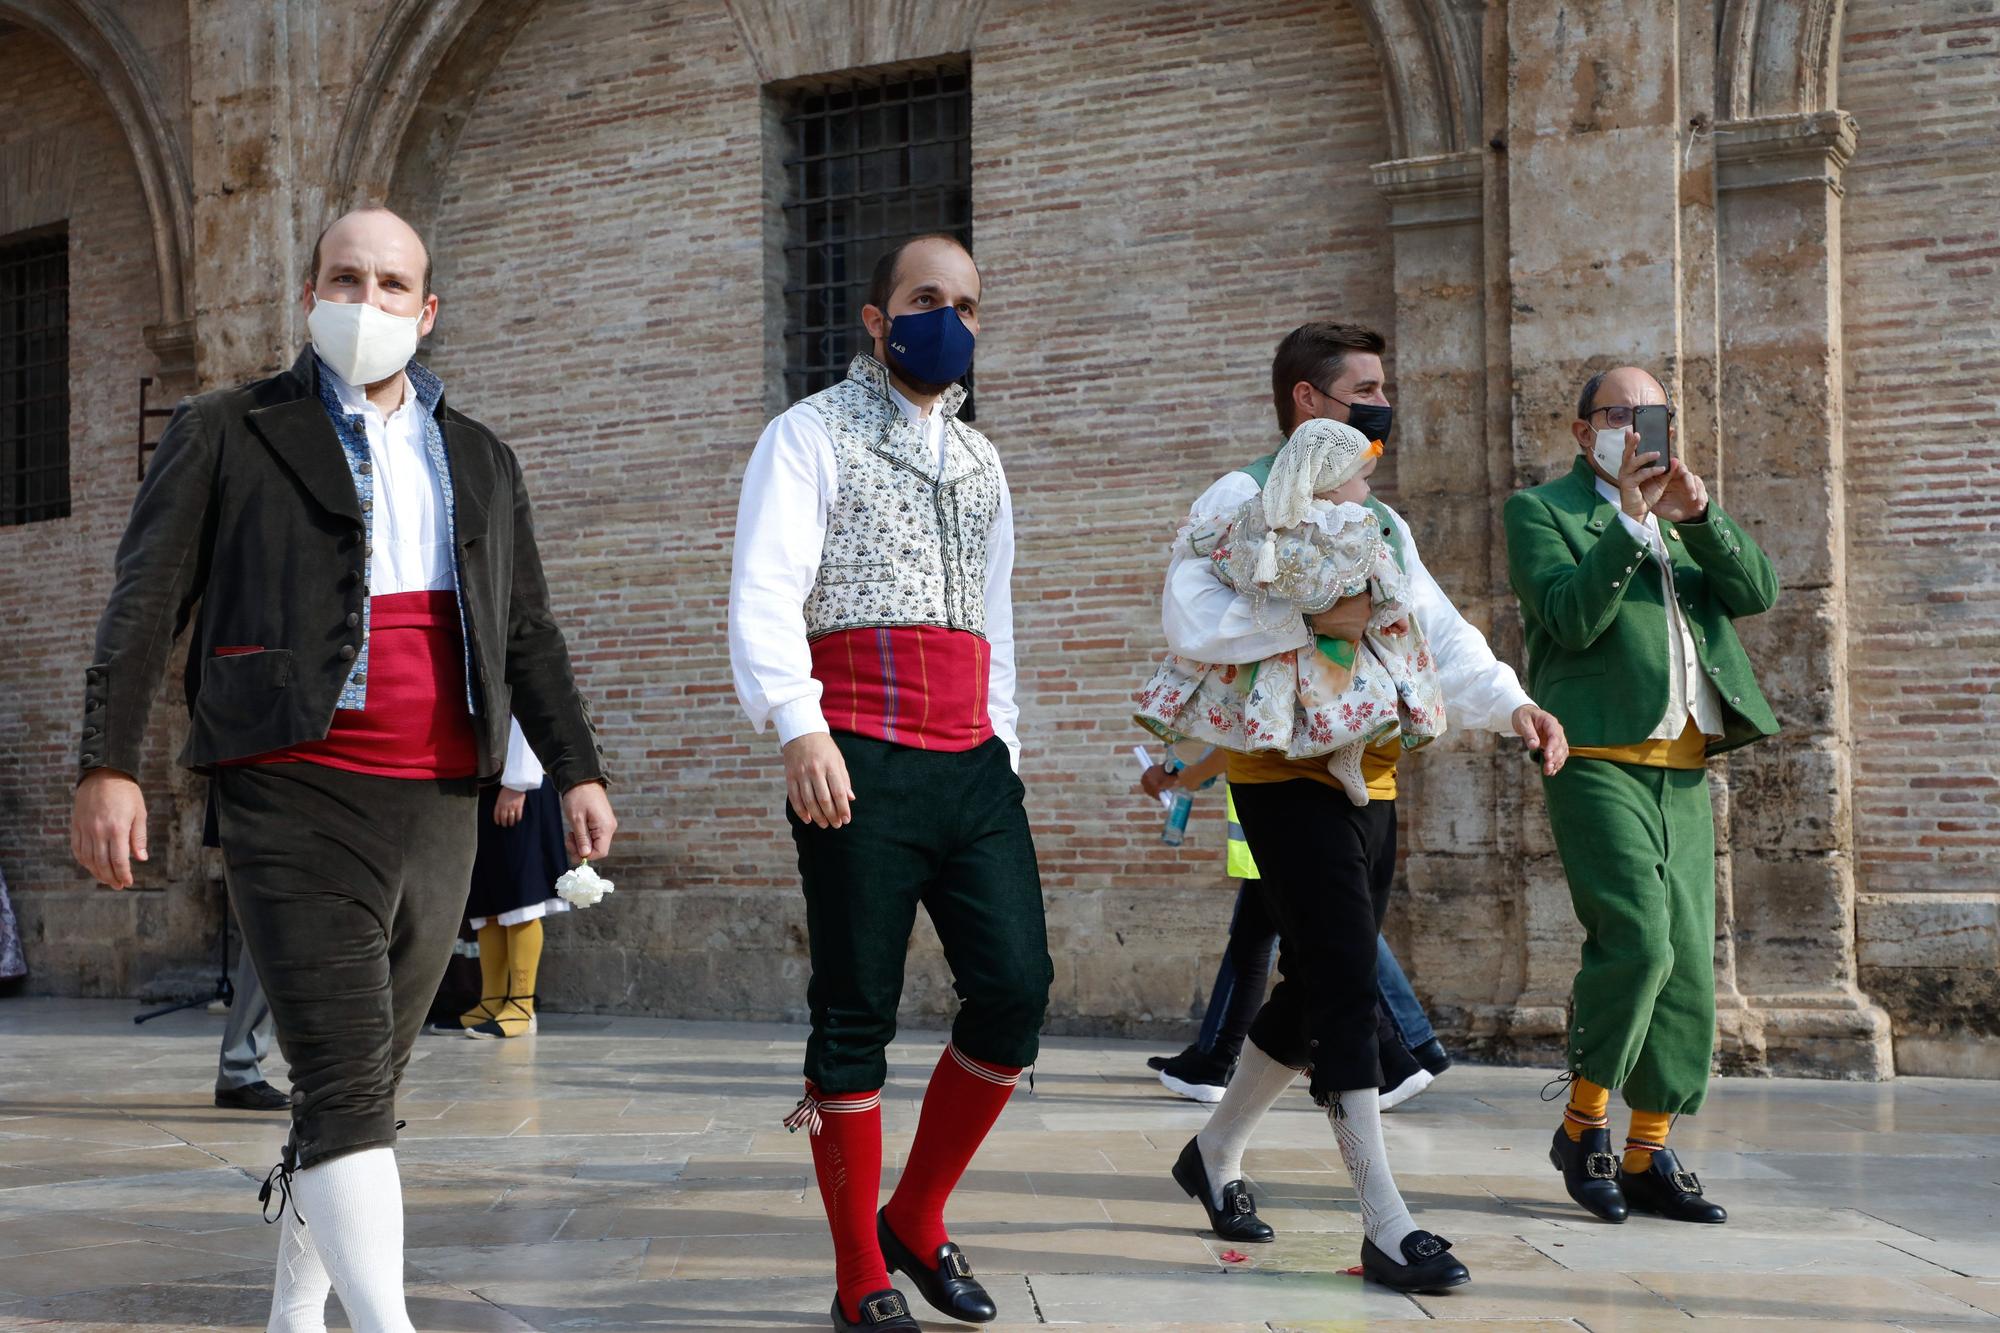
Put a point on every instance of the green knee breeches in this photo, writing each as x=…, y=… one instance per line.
x=1638, y=846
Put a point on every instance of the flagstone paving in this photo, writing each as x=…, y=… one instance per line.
x=625, y=1174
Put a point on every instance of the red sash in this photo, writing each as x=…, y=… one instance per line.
x=923, y=686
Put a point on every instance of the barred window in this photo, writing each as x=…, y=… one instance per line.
x=34, y=377
x=871, y=160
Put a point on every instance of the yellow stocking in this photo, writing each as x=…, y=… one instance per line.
x=1589, y=1105
x=1649, y=1133
x=524, y=962
x=492, y=974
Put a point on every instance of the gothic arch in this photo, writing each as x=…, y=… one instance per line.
x=1777, y=57
x=416, y=92
x=1430, y=52
x=91, y=36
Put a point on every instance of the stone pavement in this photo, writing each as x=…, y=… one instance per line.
x=620, y=1173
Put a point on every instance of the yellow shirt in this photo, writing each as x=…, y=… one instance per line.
x=1688, y=750
x=1378, y=769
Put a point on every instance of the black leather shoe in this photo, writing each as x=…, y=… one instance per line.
x=881, y=1309
x=1667, y=1189
x=1427, y=1264
x=948, y=1284
x=258, y=1096
x=1590, y=1172
x=1237, y=1218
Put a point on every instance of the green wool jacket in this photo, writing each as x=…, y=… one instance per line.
x=1594, y=604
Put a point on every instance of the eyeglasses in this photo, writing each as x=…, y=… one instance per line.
x=1620, y=417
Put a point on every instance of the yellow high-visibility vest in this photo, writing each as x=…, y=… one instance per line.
x=1241, y=864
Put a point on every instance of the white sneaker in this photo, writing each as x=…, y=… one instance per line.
x=1407, y=1089
x=1209, y=1093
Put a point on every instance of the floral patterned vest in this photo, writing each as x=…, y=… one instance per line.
x=905, y=544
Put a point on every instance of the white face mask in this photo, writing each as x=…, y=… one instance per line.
x=1609, y=451
x=364, y=345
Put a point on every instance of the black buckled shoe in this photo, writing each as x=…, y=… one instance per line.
x=1237, y=1218
x=948, y=1285
x=1590, y=1172
x=1427, y=1264
x=1667, y=1189
x=881, y=1309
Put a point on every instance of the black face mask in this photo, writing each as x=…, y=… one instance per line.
x=1371, y=419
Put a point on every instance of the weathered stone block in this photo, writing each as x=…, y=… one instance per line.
x=1928, y=930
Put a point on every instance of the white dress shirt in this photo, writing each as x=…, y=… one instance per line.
x=411, y=532
x=1689, y=693
x=523, y=771
x=1207, y=622
x=781, y=521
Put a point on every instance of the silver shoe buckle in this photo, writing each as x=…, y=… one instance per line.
x=956, y=1266
x=885, y=1307
x=1600, y=1166
x=1686, y=1182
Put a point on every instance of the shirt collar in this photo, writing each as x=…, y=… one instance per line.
x=910, y=409
x=427, y=388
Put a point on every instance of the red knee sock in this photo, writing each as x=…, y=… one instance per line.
x=963, y=1101
x=846, y=1131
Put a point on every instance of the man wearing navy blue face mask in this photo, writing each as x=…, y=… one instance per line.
x=870, y=621
x=1327, y=864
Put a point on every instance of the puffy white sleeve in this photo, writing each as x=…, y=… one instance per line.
x=1205, y=620
x=1001, y=706
x=1481, y=692
x=781, y=523
x=523, y=772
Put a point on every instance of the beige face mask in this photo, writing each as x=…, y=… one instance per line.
x=363, y=344
x=1609, y=451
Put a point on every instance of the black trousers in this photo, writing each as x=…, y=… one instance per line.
x=348, y=889
x=1327, y=866
x=947, y=831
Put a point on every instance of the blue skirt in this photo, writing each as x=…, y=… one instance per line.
x=517, y=868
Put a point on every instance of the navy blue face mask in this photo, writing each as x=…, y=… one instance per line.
x=1371, y=419
x=930, y=346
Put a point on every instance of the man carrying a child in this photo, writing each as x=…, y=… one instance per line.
x=1327, y=859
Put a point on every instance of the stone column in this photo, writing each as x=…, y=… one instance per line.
x=1462, y=928
x=247, y=261
x=1792, y=826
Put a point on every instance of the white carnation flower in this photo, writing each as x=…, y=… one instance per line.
x=583, y=887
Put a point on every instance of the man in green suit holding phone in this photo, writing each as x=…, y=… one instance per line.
x=1630, y=583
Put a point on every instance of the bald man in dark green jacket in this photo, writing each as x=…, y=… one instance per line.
x=1630, y=584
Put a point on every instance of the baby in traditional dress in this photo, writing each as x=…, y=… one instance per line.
x=1307, y=541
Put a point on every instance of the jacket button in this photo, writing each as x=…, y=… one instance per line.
x=366, y=467
x=368, y=548
x=347, y=652
x=92, y=705
x=90, y=733
x=1614, y=583
x=1715, y=671
x=89, y=758
x=361, y=678
x=1736, y=698
x=353, y=619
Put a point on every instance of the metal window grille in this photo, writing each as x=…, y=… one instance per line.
x=871, y=160
x=34, y=378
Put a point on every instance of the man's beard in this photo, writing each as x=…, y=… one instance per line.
x=921, y=388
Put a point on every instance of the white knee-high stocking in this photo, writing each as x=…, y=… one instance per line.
x=1356, y=1117
x=1258, y=1083
x=353, y=1206
x=298, y=1297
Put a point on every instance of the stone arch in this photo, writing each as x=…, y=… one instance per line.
x=1430, y=51
x=416, y=91
x=91, y=36
x=1777, y=57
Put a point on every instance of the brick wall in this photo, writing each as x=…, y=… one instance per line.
x=1922, y=246
x=65, y=158
x=1148, y=227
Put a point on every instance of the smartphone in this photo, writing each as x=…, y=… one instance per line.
x=1651, y=423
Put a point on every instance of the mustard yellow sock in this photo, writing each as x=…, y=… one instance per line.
x=1648, y=1136
x=492, y=974
x=524, y=960
x=1589, y=1108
